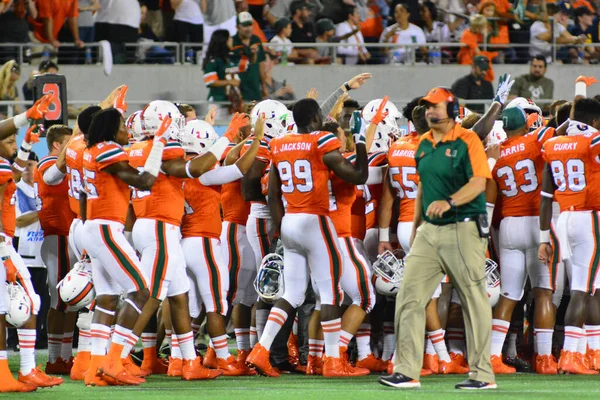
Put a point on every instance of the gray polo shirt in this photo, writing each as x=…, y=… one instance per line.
x=218, y=11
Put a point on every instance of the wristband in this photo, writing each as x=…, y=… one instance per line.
x=547, y=195
x=580, y=89
x=545, y=236
x=23, y=155
x=187, y=169
x=348, y=88
x=20, y=120
x=18, y=167
x=451, y=201
x=384, y=234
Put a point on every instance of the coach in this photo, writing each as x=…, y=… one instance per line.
x=449, y=237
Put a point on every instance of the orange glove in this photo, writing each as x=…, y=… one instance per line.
x=238, y=121
x=381, y=112
x=163, y=132
x=40, y=108
x=33, y=134
x=588, y=80
x=120, y=102
x=11, y=270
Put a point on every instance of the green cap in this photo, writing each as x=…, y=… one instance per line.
x=513, y=118
x=324, y=25
x=482, y=62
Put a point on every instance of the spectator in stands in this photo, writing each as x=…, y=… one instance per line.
x=326, y=33
x=497, y=33
x=401, y=33
x=9, y=74
x=46, y=67
x=354, y=53
x=581, y=3
x=303, y=30
x=220, y=73
x=118, y=21
x=148, y=52
x=534, y=85
x=372, y=26
x=474, y=86
x=540, y=34
x=275, y=89
x=14, y=27
x=280, y=46
x=247, y=45
x=435, y=31
x=350, y=105
x=242, y=5
x=87, y=8
x=218, y=14
x=472, y=37
x=412, y=7
x=586, y=24
x=154, y=16
x=188, y=22
x=281, y=9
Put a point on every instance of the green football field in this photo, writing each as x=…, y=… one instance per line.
x=289, y=387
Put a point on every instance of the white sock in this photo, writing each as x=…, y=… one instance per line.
x=345, y=338
x=543, y=340
x=262, y=316
x=277, y=318
x=499, y=332
x=429, y=349
x=112, y=331
x=120, y=335
x=572, y=336
x=132, y=339
x=253, y=337
x=186, y=345
x=331, y=334
x=592, y=332
x=66, y=350
x=221, y=347
x=27, y=349
x=3, y=355
x=437, y=340
x=242, y=338
x=363, y=341
x=389, y=341
x=54, y=346
x=85, y=340
x=175, y=350
x=456, y=340
x=582, y=345
x=315, y=347
x=195, y=329
x=295, y=326
x=149, y=339
x=100, y=336
x=511, y=345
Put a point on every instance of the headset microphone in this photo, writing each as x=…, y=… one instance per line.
x=438, y=120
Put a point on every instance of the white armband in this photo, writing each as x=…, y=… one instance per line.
x=375, y=176
x=20, y=120
x=219, y=147
x=545, y=236
x=53, y=176
x=221, y=176
x=152, y=165
x=491, y=163
x=580, y=89
x=547, y=195
x=24, y=150
x=384, y=234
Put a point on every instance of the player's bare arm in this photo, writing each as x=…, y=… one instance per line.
x=83, y=204
x=131, y=176
x=385, y=215
x=275, y=198
x=354, y=173
x=548, y=188
x=251, y=189
x=484, y=126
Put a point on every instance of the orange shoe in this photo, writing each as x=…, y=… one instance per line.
x=152, y=365
x=210, y=358
x=113, y=368
x=584, y=362
x=431, y=362
x=594, y=359
x=38, y=378
x=546, y=365
x=91, y=376
x=175, y=367
x=259, y=360
x=425, y=372
x=80, y=365
x=58, y=367
x=131, y=368
x=390, y=367
x=453, y=367
x=8, y=384
x=499, y=367
x=460, y=359
x=314, y=365
x=570, y=364
x=372, y=363
x=193, y=370
x=241, y=360
x=301, y=369
x=293, y=351
x=340, y=368
x=229, y=366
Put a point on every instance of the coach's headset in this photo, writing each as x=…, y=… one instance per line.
x=453, y=108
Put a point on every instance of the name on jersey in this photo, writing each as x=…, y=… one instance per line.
x=71, y=153
x=87, y=157
x=565, y=146
x=136, y=153
x=403, y=153
x=512, y=150
x=293, y=147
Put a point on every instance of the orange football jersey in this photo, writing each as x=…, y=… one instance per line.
x=518, y=173
x=165, y=201
x=107, y=195
x=55, y=213
x=573, y=160
x=202, y=216
x=9, y=214
x=341, y=199
x=74, y=161
x=402, y=172
x=376, y=159
x=303, y=174
x=235, y=208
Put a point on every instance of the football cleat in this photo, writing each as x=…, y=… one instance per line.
x=314, y=365
x=38, y=378
x=546, y=365
x=193, y=370
x=80, y=365
x=259, y=360
x=210, y=359
x=175, y=367
x=229, y=366
x=372, y=363
x=569, y=363
x=499, y=367
x=431, y=362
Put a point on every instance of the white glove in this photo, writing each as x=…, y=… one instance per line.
x=504, y=85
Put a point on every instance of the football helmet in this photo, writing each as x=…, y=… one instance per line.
x=388, y=271
x=269, y=281
x=134, y=127
x=153, y=114
x=497, y=135
x=529, y=107
x=277, y=117
x=77, y=288
x=492, y=281
x=198, y=136
x=387, y=129
x=19, y=305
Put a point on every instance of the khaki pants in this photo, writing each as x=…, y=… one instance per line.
x=437, y=251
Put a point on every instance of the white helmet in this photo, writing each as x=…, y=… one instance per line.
x=198, y=136
x=153, y=114
x=269, y=281
x=19, y=305
x=134, y=127
x=492, y=281
x=277, y=117
x=387, y=129
x=77, y=288
x=529, y=107
x=388, y=271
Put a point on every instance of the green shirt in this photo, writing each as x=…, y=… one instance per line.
x=218, y=69
x=250, y=84
x=446, y=167
x=529, y=87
